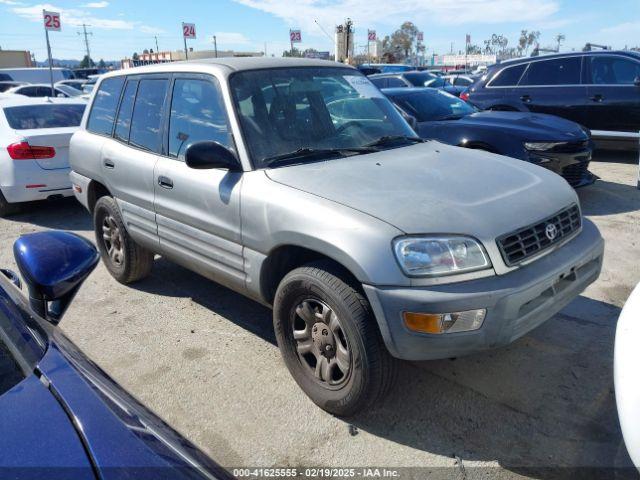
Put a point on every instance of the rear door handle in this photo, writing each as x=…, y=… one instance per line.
x=597, y=98
x=525, y=98
x=165, y=182
x=109, y=164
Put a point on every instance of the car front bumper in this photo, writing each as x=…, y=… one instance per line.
x=516, y=302
x=572, y=166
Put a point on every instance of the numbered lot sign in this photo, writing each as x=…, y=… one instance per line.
x=189, y=30
x=52, y=21
x=295, y=36
x=372, y=35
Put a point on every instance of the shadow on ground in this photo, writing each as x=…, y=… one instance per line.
x=65, y=214
x=544, y=406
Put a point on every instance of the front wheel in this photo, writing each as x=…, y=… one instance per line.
x=330, y=341
x=127, y=261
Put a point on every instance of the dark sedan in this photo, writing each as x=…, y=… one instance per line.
x=416, y=79
x=551, y=142
x=61, y=417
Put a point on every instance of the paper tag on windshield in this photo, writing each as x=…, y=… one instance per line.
x=363, y=86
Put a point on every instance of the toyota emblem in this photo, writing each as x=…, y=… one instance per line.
x=551, y=231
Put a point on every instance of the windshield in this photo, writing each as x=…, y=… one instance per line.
x=432, y=105
x=69, y=91
x=289, y=109
x=420, y=79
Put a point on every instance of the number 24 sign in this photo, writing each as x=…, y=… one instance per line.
x=51, y=21
x=189, y=30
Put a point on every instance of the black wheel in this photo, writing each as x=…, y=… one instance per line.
x=330, y=341
x=7, y=208
x=127, y=261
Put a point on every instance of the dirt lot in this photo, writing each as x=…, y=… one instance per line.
x=205, y=360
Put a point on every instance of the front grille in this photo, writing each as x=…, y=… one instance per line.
x=518, y=246
x=574, y=173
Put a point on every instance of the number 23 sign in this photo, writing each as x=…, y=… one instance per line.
x=51, y=21
x=189, y=30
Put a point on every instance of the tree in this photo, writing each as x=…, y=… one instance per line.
x=559, y=39
x=86, y=62
x=135, y=57
x=294, y=52
x=101, y=64
x=474, y=50
x=526, y=40
x=400, y=44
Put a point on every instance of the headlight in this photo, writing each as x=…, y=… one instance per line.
x=542, y=146
x=430, y=256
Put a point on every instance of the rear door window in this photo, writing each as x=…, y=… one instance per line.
x=29, y=91
x=104, y=107
x=380, y=82
x=197, y=113
x=560, y=71
x=612, y=70
x=44, y=116
x=147, y=114
x=509, y=77
x=123, y=123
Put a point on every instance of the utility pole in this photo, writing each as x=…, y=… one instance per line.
x=86, y=41
x=215, y=46
x=157, y=48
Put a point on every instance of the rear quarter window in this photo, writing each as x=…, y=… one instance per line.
x=508, y=77
x=30, y=117
x=103, y=111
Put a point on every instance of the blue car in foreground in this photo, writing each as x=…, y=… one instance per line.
x=560, y=145
x=61, y=417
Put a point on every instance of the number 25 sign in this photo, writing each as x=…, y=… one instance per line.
x=51, y=21
x=189, y=30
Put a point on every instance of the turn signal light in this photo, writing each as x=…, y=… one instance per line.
x=439, y=323
x=24, y=151
x=464, y=96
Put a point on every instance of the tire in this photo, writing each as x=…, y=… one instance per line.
x=7, y=208
x=300, y=304
x=126, y=261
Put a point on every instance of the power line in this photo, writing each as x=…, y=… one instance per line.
x=86, y=40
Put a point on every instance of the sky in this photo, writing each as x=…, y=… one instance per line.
x=121, y=27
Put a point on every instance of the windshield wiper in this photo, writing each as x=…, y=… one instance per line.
x=391, y=139
x=314, y=152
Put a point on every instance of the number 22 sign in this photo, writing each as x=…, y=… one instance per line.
x=51, y=21
x=189, y=30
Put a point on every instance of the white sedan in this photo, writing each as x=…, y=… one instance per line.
x=626, y=376
x=44, y=90
x=34, y=158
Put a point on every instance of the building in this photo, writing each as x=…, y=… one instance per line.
x=344, y=42
x=179, y=55
x=15, y=59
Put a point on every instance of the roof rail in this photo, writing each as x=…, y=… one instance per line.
x=590, y=46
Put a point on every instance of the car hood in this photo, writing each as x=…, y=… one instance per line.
x=436, y=188
x=529, y=126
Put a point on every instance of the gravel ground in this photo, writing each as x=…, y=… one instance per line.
x=205, y=360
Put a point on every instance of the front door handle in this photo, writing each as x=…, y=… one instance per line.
x=165, y=182
x=525, y=98
x=597, y=98
x=108, y=164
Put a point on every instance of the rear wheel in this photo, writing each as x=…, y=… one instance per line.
x=7, y=208
x=330, y=341
x=127, y=261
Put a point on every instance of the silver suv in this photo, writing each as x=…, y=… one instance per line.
x=296, y=183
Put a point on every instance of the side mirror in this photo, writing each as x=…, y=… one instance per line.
x=636, y=81
x=54, y=265
x=61, y=95
x=208, y=154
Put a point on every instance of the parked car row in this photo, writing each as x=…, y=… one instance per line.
x=597, y=89
x=36, y=82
